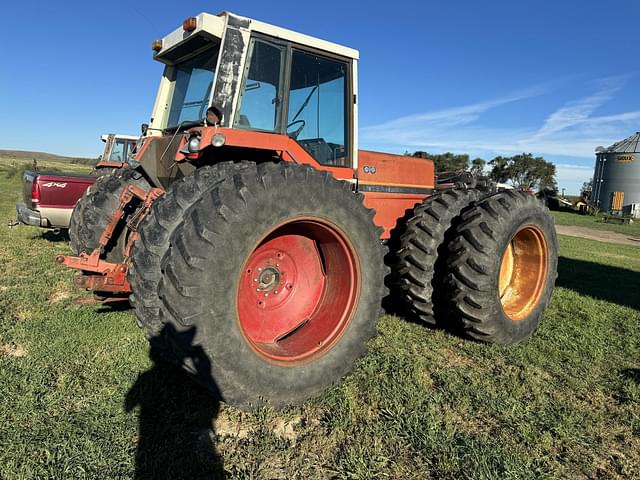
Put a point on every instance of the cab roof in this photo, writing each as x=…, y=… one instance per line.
x=214, y=26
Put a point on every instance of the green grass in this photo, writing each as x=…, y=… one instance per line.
x=596, y=222
x=80, y=397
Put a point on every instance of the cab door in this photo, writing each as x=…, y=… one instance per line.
x=318, y=110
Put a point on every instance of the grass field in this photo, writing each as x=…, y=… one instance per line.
x=80, y=397
x=596, y=222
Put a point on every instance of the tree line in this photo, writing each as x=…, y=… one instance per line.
x=523, y=171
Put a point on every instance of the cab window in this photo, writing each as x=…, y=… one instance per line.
x=317, y=114
x=118, y=153
x=262, y=90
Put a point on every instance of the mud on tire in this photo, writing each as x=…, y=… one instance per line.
x=154, y=233
x=267, y=215
x=502, y=267
x=422, y=252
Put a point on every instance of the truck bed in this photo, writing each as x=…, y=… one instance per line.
x=49, y=197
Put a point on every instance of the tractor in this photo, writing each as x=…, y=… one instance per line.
x=116, y=150
x=256, y=242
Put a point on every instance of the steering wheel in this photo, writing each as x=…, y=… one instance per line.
x=295, y=134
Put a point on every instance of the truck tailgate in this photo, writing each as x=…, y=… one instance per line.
x=61, y=190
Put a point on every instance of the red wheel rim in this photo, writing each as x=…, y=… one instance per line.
x=298, y=291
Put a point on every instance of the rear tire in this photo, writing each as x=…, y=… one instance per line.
x=502, y=267
x=156, y=229
x=313, y=251
x=93, y=212
x=421, y=259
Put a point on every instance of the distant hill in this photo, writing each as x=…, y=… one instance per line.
x=42, y=156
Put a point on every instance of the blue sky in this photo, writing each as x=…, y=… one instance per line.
x=554, y=78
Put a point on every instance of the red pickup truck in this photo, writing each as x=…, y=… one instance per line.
x=49, y=199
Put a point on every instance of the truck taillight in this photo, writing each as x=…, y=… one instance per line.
x=35, y=193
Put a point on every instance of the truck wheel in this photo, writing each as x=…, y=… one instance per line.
x=421, y=259
x=502, y=267
x=166, y=214
x=279, y=272
x=93, y=213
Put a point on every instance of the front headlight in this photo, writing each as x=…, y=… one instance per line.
x=194, y=144
x=218, y=140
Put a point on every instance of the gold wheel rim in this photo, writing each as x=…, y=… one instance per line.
x=523, y=272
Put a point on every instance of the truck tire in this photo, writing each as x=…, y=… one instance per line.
x=279, y=273
x=155, y=230
x=421, y=259
x=93, y=213
x=502, y=267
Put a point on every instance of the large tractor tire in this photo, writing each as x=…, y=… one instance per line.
x=278, y=272
x=154, y=233
x=93, y=213
x=502, y=267
x=422, y=252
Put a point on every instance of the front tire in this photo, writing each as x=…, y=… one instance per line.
x=154, y=233
x=279, y=272
x=502, y=267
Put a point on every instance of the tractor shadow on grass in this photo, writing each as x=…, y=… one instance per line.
x=175, y=438
x=52, y=236
x=632, y=374
x=613, y=284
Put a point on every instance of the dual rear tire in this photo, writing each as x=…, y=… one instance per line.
x=486, y=266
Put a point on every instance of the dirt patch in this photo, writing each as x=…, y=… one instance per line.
x=60, y=293
x=12, y=350
x=599, y=235
x=286, y=430
x=456, y=359
x=225, y=426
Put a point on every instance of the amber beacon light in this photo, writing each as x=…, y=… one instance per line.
x=190, y=24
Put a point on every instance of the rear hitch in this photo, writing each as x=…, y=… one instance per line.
x=99, y=275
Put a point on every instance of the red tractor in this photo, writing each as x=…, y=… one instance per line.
x=250, y=233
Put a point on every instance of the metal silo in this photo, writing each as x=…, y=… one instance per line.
x=617, y=170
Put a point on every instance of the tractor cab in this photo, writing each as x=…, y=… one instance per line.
x=246, y=75
x=236, y=89
x=117, y=148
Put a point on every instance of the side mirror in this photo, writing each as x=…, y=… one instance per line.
x=143, y=128
x=214, y=116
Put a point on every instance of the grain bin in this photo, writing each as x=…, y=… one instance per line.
x=616, y=179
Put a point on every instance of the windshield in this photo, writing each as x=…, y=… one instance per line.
x=118, y=153
x=193, y=80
